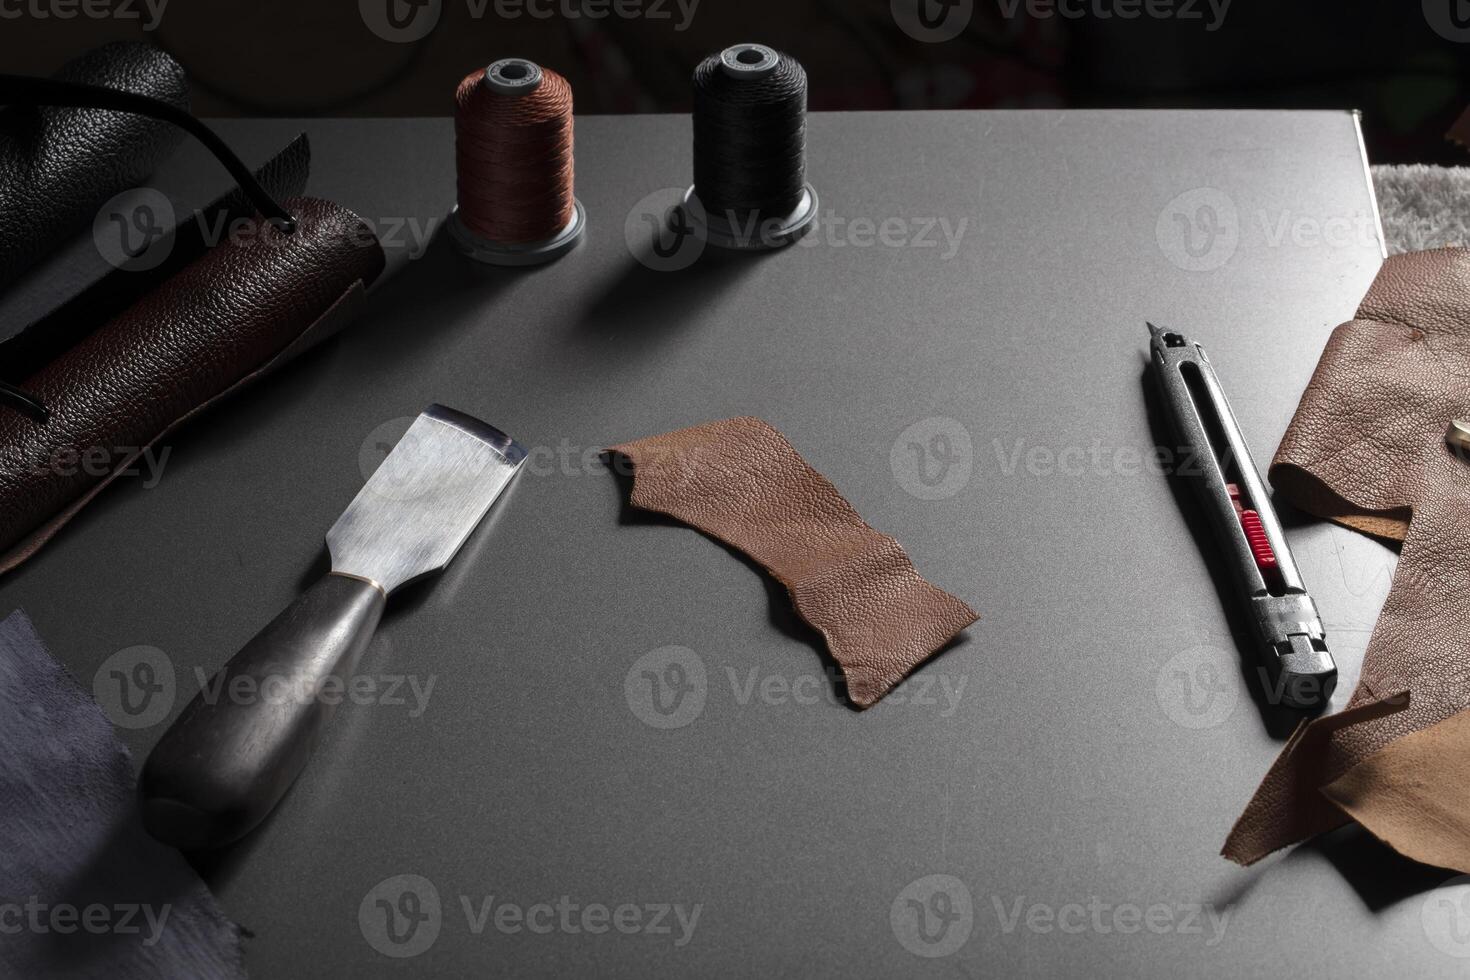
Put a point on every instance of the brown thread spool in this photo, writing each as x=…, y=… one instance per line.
x=513, y=146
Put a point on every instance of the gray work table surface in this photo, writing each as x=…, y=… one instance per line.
x=960, y=348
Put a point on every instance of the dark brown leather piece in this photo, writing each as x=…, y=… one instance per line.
x=741, y=482
x=1366, y=449
x=58, y=166
x=42, y=341
x=217, y=322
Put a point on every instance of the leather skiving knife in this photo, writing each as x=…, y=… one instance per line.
x=239, y=745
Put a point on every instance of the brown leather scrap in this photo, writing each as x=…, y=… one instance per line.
x=741, y=482
x=1414, y=794
x=1367, y=449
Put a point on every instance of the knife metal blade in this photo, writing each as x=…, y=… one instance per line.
x=420, y=505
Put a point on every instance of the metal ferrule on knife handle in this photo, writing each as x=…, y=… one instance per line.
x=1300, y=670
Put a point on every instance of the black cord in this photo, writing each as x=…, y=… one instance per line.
x=18, y=398
x=750, y=138
x=24, y=90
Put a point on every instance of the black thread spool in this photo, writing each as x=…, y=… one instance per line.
x=750, y=190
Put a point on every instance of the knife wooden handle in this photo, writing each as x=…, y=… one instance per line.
x=229, y=758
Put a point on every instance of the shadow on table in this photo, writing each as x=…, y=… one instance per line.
x=1380, y=875
x=438, y=293
x=641, y=306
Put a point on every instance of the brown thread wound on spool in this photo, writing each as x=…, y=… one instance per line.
x=514, y=156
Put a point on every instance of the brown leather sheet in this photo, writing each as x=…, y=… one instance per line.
x=741, y=482
x=1367, y=449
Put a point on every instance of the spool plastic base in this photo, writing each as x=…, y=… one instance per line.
x=763, y=235
x=519, y=254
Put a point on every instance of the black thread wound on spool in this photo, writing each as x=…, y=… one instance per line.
x=749, y=135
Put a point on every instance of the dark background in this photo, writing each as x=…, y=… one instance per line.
x=292, y=57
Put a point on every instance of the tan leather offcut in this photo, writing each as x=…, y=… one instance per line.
x=1414, y=794
x=741, y=482
x=1367, y=449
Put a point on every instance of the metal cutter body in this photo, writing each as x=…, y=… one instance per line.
x=1283, y=616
